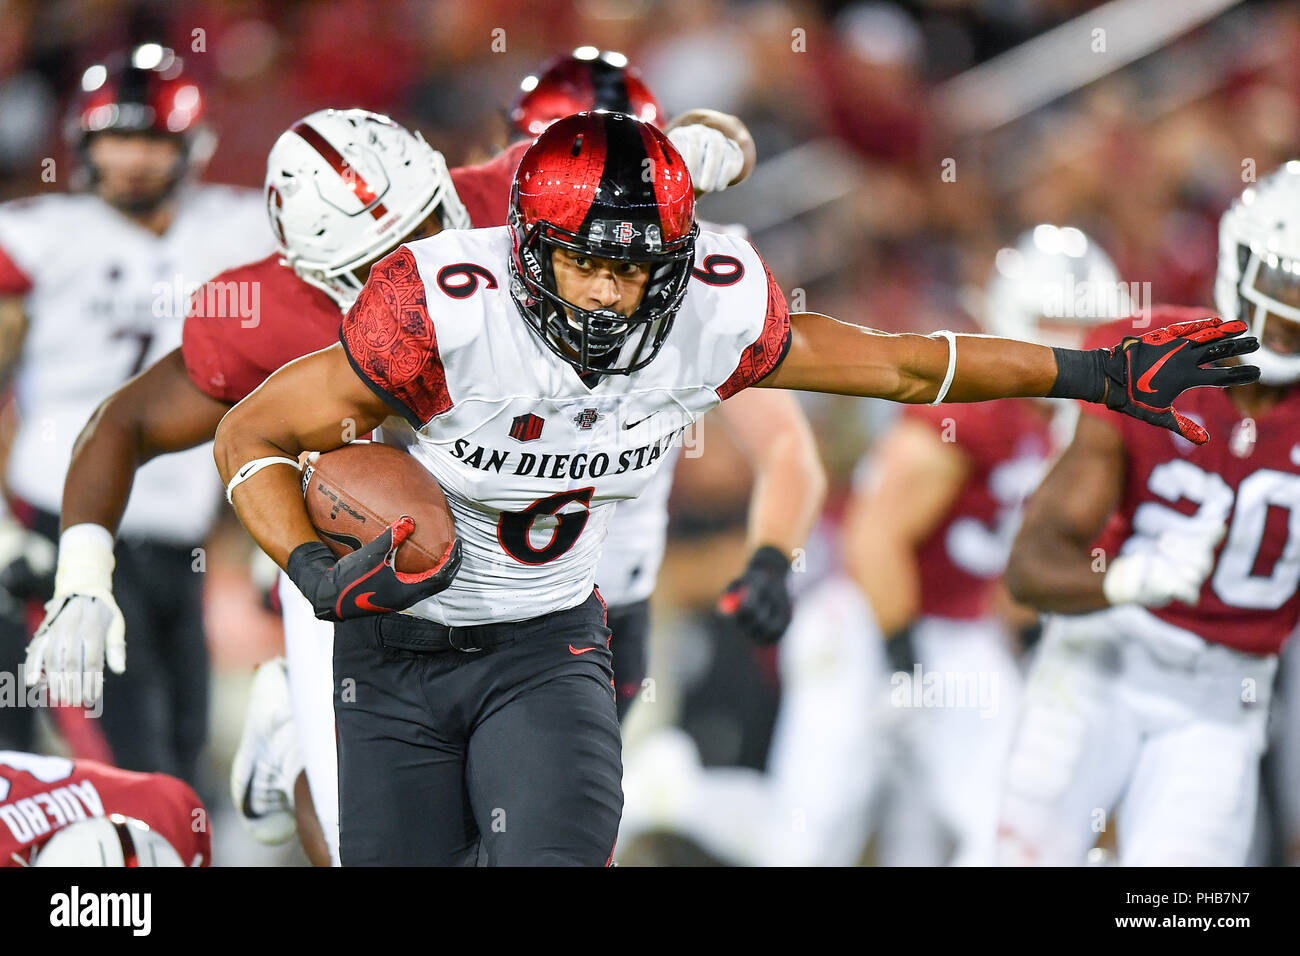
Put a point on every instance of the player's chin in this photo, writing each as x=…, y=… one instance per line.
x=136, y=200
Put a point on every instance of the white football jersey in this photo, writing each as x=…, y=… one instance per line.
x=107, y=299
x=531, y=459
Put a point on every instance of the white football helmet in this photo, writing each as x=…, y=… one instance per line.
x=1259, y=264
x=346, y=187
x=114, y=840
x=1055, y=274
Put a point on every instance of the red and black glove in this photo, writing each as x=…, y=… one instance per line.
x=758, y=601
x=366, y=582
x=1143, y=375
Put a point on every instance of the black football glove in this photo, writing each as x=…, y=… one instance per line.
x=758, y=601
x=365, y=582
x=1143, y=375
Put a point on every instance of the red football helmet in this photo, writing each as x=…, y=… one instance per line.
x=144, y=91
x=588, y=79
x=609, y=186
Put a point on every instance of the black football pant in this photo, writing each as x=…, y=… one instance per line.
x=511, y=751
x=630, y=624
x=155, y=715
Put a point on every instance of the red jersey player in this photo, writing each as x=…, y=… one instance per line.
x=40, y=796
x=1174, y=571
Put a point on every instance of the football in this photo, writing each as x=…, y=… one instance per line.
x=353, y=493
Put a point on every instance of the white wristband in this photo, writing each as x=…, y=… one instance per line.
x=252, y=468
x=85, y=561
x=952, y=366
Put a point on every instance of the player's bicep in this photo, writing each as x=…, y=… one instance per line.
x=1082, y=488
x=317, y=402
x=162, y=408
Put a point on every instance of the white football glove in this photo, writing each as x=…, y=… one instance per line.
x=83, y=626
x=712, y=158
x=1172, y=569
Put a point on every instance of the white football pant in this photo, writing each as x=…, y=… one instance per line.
x=1125, y=713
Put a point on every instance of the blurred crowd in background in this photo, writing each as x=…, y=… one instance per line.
x=880, y=197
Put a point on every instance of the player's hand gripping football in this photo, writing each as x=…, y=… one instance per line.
x=367, y=581
x=1144, y=374
x=759, y=600
x=83, y=627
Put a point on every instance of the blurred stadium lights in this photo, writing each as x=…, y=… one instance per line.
x=1061, y=60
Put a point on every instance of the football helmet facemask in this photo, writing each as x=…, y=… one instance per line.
x=1258, y=278
x=608, y=186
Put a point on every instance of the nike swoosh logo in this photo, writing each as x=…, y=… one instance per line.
x=1145, y=381
x=574, y=650
x=245, y=470
x=363, y=602
x=639, y=421
x=246, y=806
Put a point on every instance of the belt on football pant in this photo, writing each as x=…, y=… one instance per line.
x=407, y=632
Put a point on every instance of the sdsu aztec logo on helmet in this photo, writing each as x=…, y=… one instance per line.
x=588, y=79
x=345, y=187
x=1258, y=280
x=609, y=186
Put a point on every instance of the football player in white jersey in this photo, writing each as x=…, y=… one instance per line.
x=104, y=278
x=540, y=375
x=768, y=427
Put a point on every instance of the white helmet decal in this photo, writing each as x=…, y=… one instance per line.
x=345, y=187
x=1259, y=246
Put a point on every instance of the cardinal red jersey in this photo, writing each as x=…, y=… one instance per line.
x=1006, y=444
x=485, y=188
x=229, y=357
x=40, y=795
x=1247, y=477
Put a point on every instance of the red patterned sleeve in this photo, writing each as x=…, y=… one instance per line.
x=13, y=281
x=761, y=358
x=390, y=340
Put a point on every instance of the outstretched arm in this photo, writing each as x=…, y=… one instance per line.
x=1140, y=376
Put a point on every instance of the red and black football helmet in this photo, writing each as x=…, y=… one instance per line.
x=609, y=186
x=587, y=79
x=144, y=91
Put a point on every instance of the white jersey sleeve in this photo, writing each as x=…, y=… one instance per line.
x=530, y=458
x=32, y=231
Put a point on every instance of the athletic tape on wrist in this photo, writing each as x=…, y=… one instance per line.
x=252, y=468
x=952, y=366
